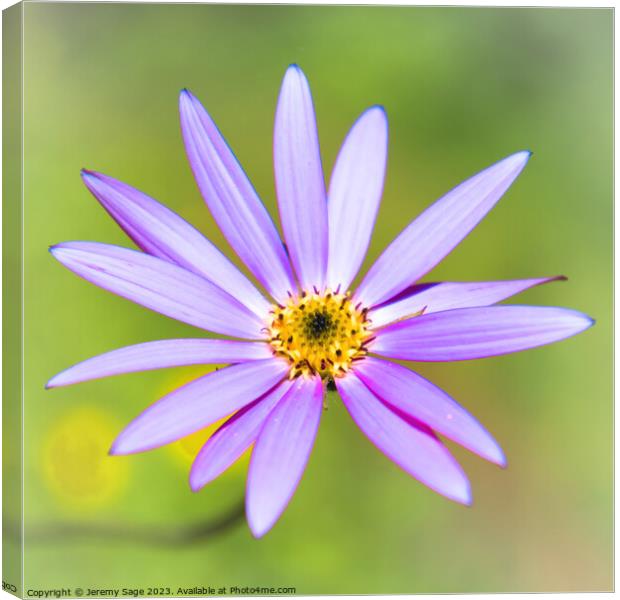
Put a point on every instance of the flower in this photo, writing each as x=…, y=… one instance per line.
x=312, y=331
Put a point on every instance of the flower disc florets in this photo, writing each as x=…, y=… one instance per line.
x=320, y=333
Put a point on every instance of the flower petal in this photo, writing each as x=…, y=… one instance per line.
x=447, y=295
x=233, y=438
x=299, y=180
x=233, y=202
x=281, y=453
x=468, y=333
x=162, y=233
x=160, y=286
x=161, y=354
x=432, y=235
x=413, y=449
x=414, y=395
x=198, y=404
x=354, y=195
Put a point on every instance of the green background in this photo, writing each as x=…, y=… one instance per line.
x=463, y=87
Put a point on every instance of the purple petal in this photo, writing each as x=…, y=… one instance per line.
x=430, y=237
x=413, y=449
x=447, y=295
x=233, y=202
x=162, y=233
x=468, y=333
x=159, y=355
x=299, y=180
x=198, y=404
x=281, y=453
x=160, y=286
x=354, y=195
x=233, y=438
x=414, y=395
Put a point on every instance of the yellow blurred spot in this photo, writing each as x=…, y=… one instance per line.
x=75, y=462
x=187, y=448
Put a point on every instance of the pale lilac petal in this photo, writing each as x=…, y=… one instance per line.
x=447, y=295
x=160, y=286
x=198, y=404
x=159, y=355
x=414, y=395
x=412, y=448
x=354, y=195
x=432, y=235
x=162, y=233
x=233, y=438
x=467, y=333
x=233, y=202
x=281, y=453
x=299, y=180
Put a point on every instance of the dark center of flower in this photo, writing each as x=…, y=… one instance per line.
x=318, y=324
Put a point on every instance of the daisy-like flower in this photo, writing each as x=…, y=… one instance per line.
x=309, y=330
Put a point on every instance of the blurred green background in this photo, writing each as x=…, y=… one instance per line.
x=463, y=87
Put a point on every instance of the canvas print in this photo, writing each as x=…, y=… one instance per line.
x=357, y=331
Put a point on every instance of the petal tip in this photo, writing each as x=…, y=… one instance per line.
x=130, y=441
x=378, y=113
x=294, y=71
x=499, y=458
x=518, y=160
x=119, y=447
x=583, y=321
x=255, y=523
x=194, y=484
x=494, y=453
x=59, y=251
x=112, y=451
x=53, y=383
x=186, y=99
x=459, y=491
x=523, y=156
x=55, y=250
x=197, y=479
x=260, y=519
x=464, y=496
x=258, y=529
x=91, y=179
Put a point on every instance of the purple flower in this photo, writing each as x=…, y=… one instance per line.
x=309, y=331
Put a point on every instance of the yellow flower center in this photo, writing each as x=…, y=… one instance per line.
x=320, y=334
